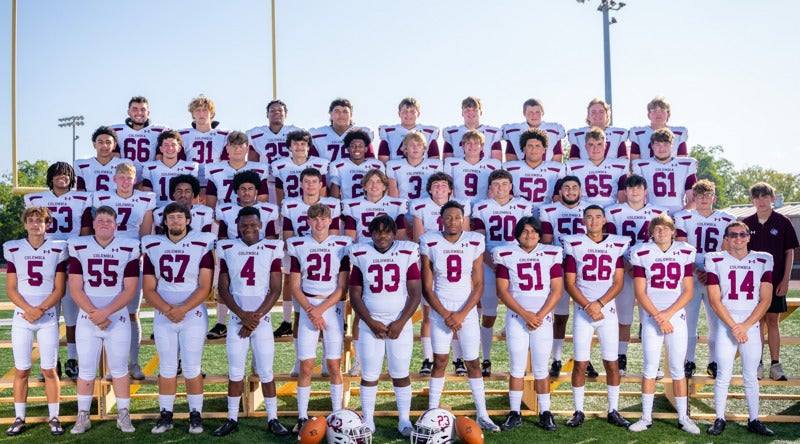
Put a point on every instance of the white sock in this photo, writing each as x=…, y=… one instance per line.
x=84, y=402
x=515, y=400
x=403, y=398
x=558, y=349
x=368, y=395
x=166, y=402
x=613, y=397
x=577, y=397
x=647, y=406
x=457, y=353
x=623, y=348
x=271, y=406
x=544, y=402
x=19, y=409
x=195, y=402
x=123, y=403
x=681, y=406
x=427, y=348
x=435, y=387
x=486, y=342
x=336, y=396
x=52, y=409
x=233, y=407
x=476, y=386
x=303, y=395
x=72, y=350
x=287, y=311
x=222, y=313
x=136, y=339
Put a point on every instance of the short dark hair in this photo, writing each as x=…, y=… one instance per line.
x=298, y=135
x=437, y=176
x=566, y=179
x=382, y=222
x=169, y=134
x=184, y=178
x=278, y=102
x=310, y=172
x=357, y=134
x=247, y=176
x=248, y=211
x=104, y=130
x=138, y=99
x=635, y=180
x=533, y=221
x=533, y=133
x=500, y=174
x=175, y=207
x=104, y=209
x=451, y=204
x=594, y=207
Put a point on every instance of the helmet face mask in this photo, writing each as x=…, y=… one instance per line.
x=434, y=426
x=346, y=426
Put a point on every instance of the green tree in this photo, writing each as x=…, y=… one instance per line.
x=784, y=183
x=712, y=166
x=31, y=174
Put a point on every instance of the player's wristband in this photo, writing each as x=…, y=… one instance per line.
x=602, y=305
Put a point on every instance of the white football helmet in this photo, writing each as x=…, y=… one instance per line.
x=346, y=426
x=434, y=426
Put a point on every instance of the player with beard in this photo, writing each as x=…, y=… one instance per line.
x=137, y=137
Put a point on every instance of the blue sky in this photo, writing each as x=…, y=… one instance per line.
x=729, y=68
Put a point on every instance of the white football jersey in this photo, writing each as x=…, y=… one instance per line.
x=392, y=139
x=623, y=220
x=295, y=215
x=330, y=146
x=640, y=141
x=383, y=277
x=156, y=176
x=228, y=216
x=555, y=132
x=704, y=233
x=138, y=146
x=739, y=280
x=202, y=219
x=663, y=270
x=287, y=174
x=176, y=266
x=594, y=263
x=347, y=175
x=204, y=148
x=359, y=212
x=70, y=212
x=528, y=274
x=430, y=213
x=667, y=182
x=36, y=268
x=319, y=263
x=270, y=146
x=249, y=268
x=615, y=143
x=92, y=176
x=103, y=269
x=452, y=139
x=412, y=180
x=537, y=185
x=599, y=183
x=561, y=221
x=452, y=263
x=498, y=221
x=471, y=181
x=220, y=179
x=130, y=211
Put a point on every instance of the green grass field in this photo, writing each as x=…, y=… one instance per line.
x=594, y=430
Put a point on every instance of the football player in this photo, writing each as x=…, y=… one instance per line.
x=35, y=283
x=219, y=175
x=470, y=172
x=203, y=142
x=95, y=173
x=535, y=179
x=658, y=112
x=328, y=141
x=320, y=269
x=452, y=284
x=184, y=189
x=286, y=171
x=359, y=212
x=71, y=215
x=346, y=174
x=385, y=291
x=598, y=114
x=593, y=278
x=603, y=178
x=471, y=112
x=704, y=229
x=670, y=178
x=663, y=284
x=136, y=138
x=533, y=110
x=178, y=270
x=250, y=284
x=158, y=173
x=103, y=279
x=246, y=185
x=740, y=292
x=529, y=282
x=392, y=136
x=407, y=175
x=495, y=219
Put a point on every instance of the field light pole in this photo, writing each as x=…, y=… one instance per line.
x=72, y=121
x=605, y=7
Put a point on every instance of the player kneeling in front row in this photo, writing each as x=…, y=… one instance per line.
x=663, y=283
x=178, y=269
x=529, y=283
x=452, y=283
x=740, y=292
x=35, y=283
x=385, y=291
x=103, y=277
x=320, y=270
x=249, y=285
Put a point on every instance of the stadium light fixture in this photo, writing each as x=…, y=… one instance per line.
x=72, y=121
